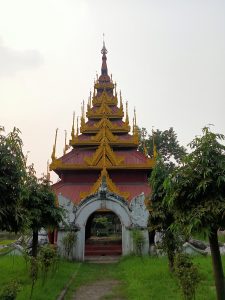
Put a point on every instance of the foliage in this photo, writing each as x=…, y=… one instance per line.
x=141, y=278
x=187, y=274
x=48, y=259
x=34, y=268
x=101, y=221
x=196, y=188
x=13, y=268
x=138, y=240
x=69, y=241
x=12, y=176
x=10, y=291
x=166, y=143
x=40, y=204
x=196, y=193
x=169, y=154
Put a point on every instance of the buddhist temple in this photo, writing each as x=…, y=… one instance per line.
x=101, y=170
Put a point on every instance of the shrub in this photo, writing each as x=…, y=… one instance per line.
x=48, y=258
x=138, y=240
x=69, y=241
x=10, y=291
x=187, y=275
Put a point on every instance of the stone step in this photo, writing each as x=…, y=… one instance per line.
x=103, y=252
x=103, y=247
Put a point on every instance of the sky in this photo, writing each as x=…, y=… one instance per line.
x=167, y=57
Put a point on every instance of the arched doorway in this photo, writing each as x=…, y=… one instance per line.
x=103, y=234
x=79, y=218
x=95, y=203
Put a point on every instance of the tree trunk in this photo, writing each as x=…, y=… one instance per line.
x=35, y=243
x=217, y=265
x=171, y=261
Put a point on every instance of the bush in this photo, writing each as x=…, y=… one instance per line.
x=69, y=241
x=138, y=240
x=10, y=291
x=48, y=258
x=187, y=275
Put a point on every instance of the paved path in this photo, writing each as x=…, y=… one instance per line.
x=96, y=290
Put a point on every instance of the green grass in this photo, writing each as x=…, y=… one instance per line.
x=6, y=242
x=14, y=267
x=141, y=278
x=149, y=278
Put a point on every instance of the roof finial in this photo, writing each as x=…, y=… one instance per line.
x=103, y=39
x=154, y=145
x=73, y=129
x=121, y=100
x=54, y=146
x=65, y=145
x=77, y=126
x=104, y=51
x=127, y=117
x=135, y=117
x=135, y=128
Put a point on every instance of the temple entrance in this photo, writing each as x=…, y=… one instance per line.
x=103, y=234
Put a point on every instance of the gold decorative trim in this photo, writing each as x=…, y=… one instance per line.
x=110, y=184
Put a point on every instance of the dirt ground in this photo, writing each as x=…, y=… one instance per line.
x=98, y=290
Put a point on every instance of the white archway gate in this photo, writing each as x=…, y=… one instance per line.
x=133, y=215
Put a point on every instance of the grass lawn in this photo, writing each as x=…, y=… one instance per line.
x=149, y=278
x=14, y=267
x=145, y=279
x=141, y=278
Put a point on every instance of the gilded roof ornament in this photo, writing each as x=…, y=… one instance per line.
x=127, y=116
x=154, y=145
x=121, y=100
x=73, y=129
x=77, y=127
x=54, y=147
x=66, y=147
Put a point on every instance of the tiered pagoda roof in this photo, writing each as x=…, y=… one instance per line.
x=103, y=142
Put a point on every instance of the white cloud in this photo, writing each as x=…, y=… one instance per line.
x=12, y=60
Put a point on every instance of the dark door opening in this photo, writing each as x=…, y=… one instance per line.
x=103, y=234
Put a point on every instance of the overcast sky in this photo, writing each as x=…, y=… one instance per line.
x=167, y=56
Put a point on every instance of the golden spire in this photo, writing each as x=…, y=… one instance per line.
x=135, y=118
x=73, y=129
x=90, y=98
x=54, y=146
x=115, y=89
x=144, y=144
x=82, y=109
x=82, y=114
x=127, y=117
x=135, y=128
x=94, y=95
x=121, y=100
x=65, y=145
x=154, y=145
x=77, y=126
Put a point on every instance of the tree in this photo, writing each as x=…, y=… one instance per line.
x=166, y=143
x=40, y=204
x=196, y=193
x=161, y=216
x=12, y=176
x=170, y=153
